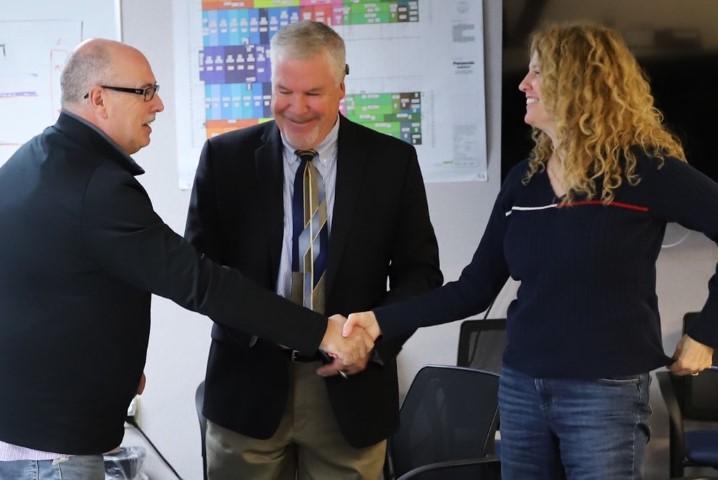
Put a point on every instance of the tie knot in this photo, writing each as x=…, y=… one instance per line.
x=306, y=155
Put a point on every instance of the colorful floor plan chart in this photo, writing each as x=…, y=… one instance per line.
x=416, y=73
x=396, y=114
x=234, y=63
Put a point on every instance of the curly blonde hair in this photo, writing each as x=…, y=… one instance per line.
x=601, y=100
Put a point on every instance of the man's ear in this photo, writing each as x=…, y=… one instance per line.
x=96, y=100
x=94, y=96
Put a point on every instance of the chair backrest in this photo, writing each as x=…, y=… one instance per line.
x=473, y=469
x=481, y=344
x=677, y=449
x=198, y=403
x=449, y=413
x=698, y=396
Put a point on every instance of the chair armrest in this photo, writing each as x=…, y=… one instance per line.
x=491, y=464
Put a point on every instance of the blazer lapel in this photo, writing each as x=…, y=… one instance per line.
x=350, y=173
x=270, y=178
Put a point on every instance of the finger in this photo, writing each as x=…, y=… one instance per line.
x=681, y=369
x=331, y=369
x=338, y=318
x=356, y=347
x=363, y=347
x=368, y=342
x=348, y=327
x=141, y=386
x=328, y=370
x=354, y=320
x=677, y=367
x=350, y=353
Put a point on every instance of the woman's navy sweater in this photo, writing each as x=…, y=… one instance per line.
x=586, y=306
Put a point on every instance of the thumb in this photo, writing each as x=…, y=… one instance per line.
x=352, y=320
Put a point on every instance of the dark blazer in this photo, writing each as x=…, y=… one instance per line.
x=81, y=252
x=380, y=230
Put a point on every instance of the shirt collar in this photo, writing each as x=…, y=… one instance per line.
x=326, y=150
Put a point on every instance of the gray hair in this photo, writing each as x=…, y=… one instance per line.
x=89, y=64
x=306, y=39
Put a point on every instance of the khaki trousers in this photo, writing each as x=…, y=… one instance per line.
x=308, y=444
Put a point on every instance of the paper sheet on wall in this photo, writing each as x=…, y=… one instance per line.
x=36, y=38
x=32, y=54
x=416, y=72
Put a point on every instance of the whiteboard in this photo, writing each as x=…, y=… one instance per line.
x=36, y=38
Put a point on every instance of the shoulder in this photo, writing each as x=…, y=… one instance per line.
x=247, y=136
x=515, y=178
x=517, y=173
x=660, y=178
x=514, y=190
x=650, y=166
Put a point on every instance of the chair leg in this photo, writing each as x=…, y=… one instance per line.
x=388, y=466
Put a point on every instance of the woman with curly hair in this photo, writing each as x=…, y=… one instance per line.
x=580, y=224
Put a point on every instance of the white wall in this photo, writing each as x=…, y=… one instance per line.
x=179, y=339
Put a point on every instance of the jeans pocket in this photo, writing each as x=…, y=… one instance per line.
x=623, y=380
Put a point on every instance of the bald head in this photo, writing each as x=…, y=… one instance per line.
x=105, y=83
x=96, y=61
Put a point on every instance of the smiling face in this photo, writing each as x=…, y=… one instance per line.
x=305, y=98
x=536, y=113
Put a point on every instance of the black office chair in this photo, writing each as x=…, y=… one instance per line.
x=691, y=400
x=472, y=469
x=481, y=344
x=198, y=403
x=698, y=396
x=449, y=413
x=688, y=447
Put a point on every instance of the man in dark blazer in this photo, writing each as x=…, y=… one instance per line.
x=81, y=253
x=270, y=415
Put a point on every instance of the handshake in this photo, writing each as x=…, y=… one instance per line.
x=349, y=343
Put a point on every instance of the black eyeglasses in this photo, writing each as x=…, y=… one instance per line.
x=148, y=93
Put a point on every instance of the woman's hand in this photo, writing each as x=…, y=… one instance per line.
x=366, y=320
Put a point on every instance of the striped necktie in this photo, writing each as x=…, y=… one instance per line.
x=310, y=236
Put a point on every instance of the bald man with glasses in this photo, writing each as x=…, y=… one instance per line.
x=82, y=251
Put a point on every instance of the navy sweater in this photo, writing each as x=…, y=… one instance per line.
x=587, y=305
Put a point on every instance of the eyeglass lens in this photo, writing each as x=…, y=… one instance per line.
x=150, y=92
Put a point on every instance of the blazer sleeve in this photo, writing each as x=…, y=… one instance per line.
x=414, y=267
x=203, y=225
x=123, y=234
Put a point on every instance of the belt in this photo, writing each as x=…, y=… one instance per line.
x=295, y=356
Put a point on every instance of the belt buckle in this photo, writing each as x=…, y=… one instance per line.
x=293, y=356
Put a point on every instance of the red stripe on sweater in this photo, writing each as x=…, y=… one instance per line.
x=612, y=204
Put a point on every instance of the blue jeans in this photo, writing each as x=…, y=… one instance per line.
x=77, y=467
x=573, y=429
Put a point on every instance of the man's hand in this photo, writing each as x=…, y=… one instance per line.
x=141, y=386
x=349, y=349
x=337, y=368
x=691, y=357
x=366, y=320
